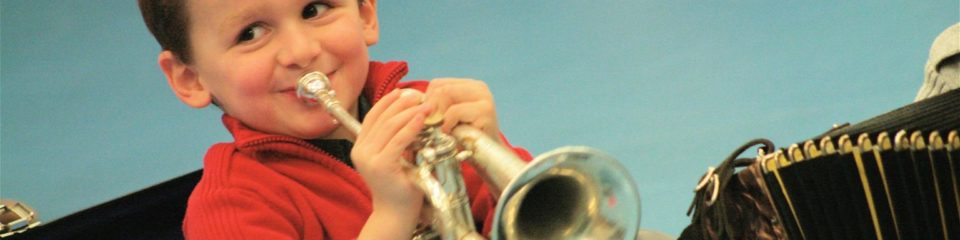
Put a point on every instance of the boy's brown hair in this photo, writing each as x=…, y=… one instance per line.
x=167, y=21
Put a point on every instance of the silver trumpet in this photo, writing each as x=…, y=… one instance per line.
x=571, y=192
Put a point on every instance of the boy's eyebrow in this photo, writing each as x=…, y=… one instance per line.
x=240, y=16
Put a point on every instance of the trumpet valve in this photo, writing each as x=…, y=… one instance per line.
x=435, y=119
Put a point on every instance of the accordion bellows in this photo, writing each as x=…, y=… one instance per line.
x=894, y=176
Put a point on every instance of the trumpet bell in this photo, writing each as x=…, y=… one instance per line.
x=569, y=193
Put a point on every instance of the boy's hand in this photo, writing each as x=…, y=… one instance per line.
x=390, y=126
x=464, y=101
x=393, y=124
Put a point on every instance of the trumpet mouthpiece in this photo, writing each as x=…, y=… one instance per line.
x=311, y=86
x=314, y=89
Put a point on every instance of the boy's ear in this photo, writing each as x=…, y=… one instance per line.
x=371, y=28
x=184, y=81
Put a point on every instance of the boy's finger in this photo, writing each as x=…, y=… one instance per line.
x=388, y=127
x=381, y=133
x=377, y=109
x=455, y=91
x=459, y=90
x=404, y=137
x=480, y=115
x=407, y=98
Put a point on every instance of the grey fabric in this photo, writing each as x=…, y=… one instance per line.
x=942, y=71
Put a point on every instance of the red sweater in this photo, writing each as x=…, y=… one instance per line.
x=265, y=186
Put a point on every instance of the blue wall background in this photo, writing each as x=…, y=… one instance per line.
x=668, y=87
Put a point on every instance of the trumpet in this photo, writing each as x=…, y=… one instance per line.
x=572, y=192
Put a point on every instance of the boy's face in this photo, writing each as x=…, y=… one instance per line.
x=249, y=55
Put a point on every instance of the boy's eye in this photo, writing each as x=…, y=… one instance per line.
x=250, y=33
x=314, y=9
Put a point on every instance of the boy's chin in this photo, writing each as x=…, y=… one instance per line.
x=322, y=132
x=316, y=124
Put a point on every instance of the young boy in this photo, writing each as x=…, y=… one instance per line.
x=292, y=171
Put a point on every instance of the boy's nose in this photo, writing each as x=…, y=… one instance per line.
x=299, y=50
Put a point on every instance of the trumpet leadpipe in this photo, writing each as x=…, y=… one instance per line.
x=314, y=87
x=494, y=162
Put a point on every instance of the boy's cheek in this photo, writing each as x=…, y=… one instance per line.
x=250, y=76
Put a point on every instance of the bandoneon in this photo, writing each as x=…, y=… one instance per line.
x=894, y=176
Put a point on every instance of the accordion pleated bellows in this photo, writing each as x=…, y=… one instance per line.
x=894, y=176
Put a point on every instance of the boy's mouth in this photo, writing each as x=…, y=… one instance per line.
x=289, y=92
x=292, y=90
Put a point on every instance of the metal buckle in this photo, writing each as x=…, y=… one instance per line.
x=16, y=217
